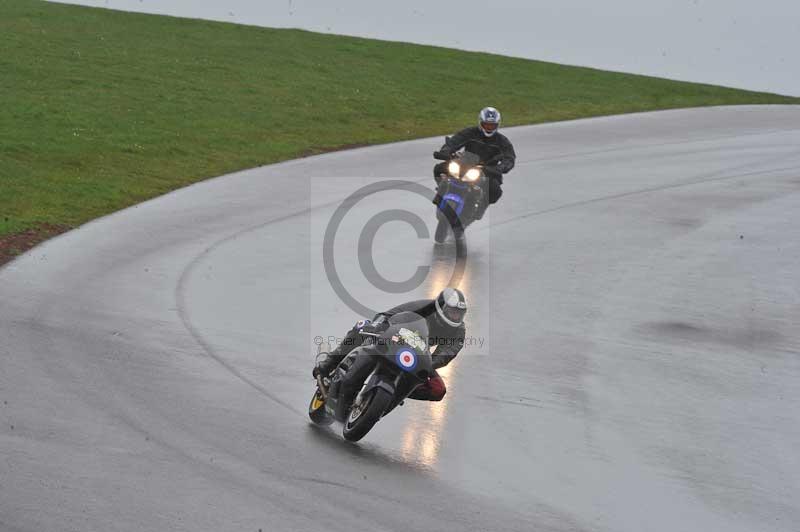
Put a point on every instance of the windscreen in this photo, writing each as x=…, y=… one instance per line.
x=408, y=325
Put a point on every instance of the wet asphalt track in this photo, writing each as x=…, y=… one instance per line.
x=637, y=294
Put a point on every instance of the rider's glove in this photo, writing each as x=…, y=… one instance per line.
x=377, y=326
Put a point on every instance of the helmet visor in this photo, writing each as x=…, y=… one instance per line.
x=454, y=314
x=489, y=127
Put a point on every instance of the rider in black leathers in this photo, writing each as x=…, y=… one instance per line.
x=485, y=132
x=445, y=318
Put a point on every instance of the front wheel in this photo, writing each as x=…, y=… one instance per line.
x=316, y=410
x=363, y=416
x=441, y=230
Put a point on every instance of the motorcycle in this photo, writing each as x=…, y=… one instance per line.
x=383, y=371
x=463, y=195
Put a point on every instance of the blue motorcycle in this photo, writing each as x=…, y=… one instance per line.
x=463, y=193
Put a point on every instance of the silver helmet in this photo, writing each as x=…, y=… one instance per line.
x=489, y=121
x=451, y=305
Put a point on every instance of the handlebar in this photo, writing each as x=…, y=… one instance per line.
x=441, y=156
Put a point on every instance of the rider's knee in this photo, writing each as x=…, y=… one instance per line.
x=495, y=191
x=437, y=389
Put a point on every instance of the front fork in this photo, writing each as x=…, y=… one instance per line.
x=399, y=389
x=374, y=381
x=402, y=389
x=323, y=390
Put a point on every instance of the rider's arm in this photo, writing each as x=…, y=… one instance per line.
x=457, y=141
x=445, y=354
x=507, y=157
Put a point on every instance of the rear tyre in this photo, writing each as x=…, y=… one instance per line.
x=316, y=410
x=364, y=416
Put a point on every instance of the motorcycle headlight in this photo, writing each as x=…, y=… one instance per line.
x=472, y=174
x=454, y=168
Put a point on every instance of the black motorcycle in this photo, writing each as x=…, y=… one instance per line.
x=463, y=195
x=375, y=377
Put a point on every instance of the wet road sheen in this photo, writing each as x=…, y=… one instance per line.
x=634, y=302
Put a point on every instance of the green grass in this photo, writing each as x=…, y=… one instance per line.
x=103, y=109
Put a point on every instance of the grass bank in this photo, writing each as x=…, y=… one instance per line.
x=104, y=109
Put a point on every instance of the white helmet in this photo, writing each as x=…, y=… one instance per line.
x=489, y=120
x=451, y=305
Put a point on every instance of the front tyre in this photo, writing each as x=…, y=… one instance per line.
x=316, y=410
x=363, y=417
x=441, y=230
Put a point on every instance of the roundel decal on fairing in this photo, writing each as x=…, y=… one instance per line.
x=406, y=359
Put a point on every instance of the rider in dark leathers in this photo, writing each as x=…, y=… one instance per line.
x=485, y=132
x=445, y=318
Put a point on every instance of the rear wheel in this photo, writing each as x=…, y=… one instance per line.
x=316, y=410
x=363, y=416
